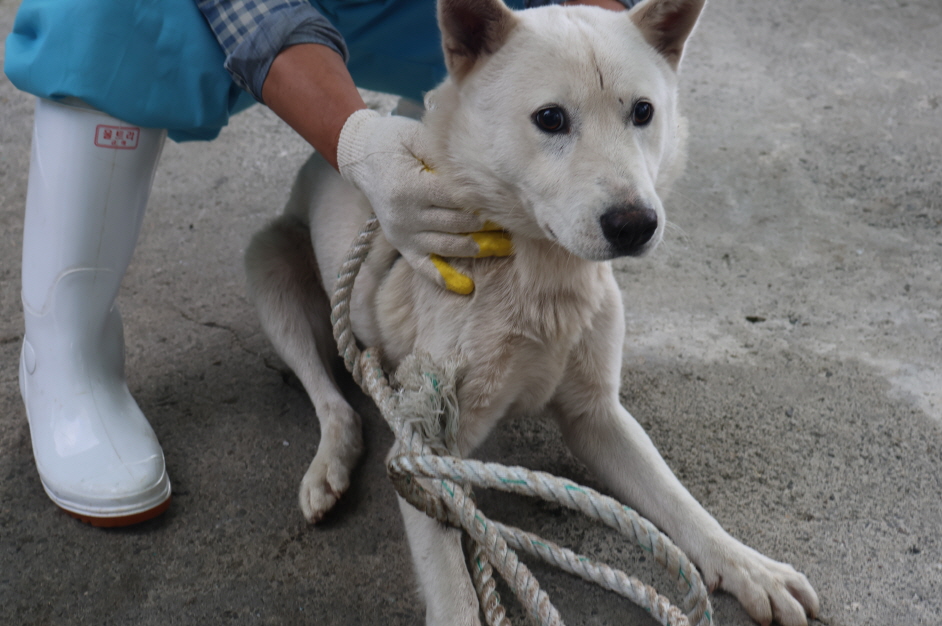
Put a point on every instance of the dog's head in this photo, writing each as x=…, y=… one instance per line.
x=564, y=119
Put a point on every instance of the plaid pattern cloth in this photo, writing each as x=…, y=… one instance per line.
x=253, y=32
x=232, y=21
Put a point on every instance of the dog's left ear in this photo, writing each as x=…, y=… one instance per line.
x=666, y=24
x=471, y=30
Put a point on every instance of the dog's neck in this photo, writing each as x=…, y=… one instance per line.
x=541, y=266
x=543, y=290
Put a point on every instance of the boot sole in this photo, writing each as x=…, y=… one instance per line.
x=126, y=515
x=117, y=522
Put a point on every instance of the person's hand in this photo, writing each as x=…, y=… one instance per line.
x=386, y=157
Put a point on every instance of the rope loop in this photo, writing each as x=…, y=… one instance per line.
x=440, y=486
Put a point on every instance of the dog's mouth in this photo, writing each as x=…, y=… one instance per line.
x=594, y=254
x=621, y=233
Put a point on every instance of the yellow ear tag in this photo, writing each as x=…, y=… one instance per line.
x=454, y=280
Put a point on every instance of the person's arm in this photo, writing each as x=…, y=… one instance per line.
x=291, y=58
x=309, y=87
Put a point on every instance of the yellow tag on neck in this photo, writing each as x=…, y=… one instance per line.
x=493, y=243
x=454, y=280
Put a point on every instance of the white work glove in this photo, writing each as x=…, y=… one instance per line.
x=387, y=158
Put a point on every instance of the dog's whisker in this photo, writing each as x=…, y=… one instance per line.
x=675, y=229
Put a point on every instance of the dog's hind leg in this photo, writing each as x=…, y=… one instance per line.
x=295, y=313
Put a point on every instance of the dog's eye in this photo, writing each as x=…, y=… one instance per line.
x=642, y=113
x=551, y=120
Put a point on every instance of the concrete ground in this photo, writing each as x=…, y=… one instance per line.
x=784, y=351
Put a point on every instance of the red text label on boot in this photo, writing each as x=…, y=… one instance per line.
x=117, y=137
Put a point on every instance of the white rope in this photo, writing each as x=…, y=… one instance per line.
x=439, y=485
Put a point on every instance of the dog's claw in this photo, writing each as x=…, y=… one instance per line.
x=321, y=487
x=770, y=591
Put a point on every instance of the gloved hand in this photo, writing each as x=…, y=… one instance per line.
x=386, y=158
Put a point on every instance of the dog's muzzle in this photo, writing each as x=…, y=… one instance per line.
x=627, y=228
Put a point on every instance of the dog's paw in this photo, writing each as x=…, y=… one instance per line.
x=323, y=484
x=768, y=590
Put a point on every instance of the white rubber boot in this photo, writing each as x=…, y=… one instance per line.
x=89, y=180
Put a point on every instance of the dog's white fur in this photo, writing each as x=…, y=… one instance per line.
x=543, y=330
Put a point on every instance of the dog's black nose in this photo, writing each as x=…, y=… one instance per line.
x=627, y=228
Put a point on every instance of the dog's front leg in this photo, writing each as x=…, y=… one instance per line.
x=445, y=584
x=440, y=561
x=613, y=445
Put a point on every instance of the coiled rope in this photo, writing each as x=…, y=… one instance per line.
x=438, y=484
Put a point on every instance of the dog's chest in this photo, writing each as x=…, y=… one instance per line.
x=515, y=336
x=520, y=338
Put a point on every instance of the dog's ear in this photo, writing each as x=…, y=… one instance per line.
x=472, y=29
x=666, y=24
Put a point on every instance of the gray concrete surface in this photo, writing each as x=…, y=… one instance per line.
x=784, y=352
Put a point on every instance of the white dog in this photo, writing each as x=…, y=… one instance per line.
x=560, y=125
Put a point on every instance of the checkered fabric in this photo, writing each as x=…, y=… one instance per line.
x=234, y=20
x=253, y=32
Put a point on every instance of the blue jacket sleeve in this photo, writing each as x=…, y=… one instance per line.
x=253, y=32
